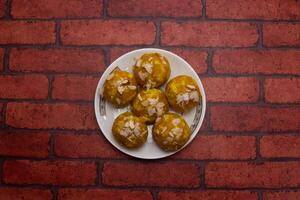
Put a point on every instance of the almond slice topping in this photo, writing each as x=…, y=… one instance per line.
x=145, y=103
x=191, y=86
x=143, y=75
x=130, y=124
x=148, y=67
x=131, y=87
x=181, y=98
x=121, y=89
x=139, y=97
x=151, y=111
x=176, y=121
x=194, y=96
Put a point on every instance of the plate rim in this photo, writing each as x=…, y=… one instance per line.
x=203, y=109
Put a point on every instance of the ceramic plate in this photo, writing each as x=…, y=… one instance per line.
x=106, y=113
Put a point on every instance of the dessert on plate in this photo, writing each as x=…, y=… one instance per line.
x=171, y=132
x=150, y=104
x=120, y=87
x=183, y=93
x=129, y=130
x=151, y=70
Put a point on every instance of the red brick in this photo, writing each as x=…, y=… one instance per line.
x=74, y=87
x=56, y=8
x=151, y=174
x=209, y=34
x=257, y=62
x=1, y=58
x=11, y=193
x=255, y=9
x=57, y=60
x=155, y=8
x=207, y=195
x=289, y=195
x=1, y=114
x=197, y=59
x=219, y=147
x=88, y=194
x=231, y=89
x=43, y=116
x=247, y=175
x=205, y=124
x=280, y=146
x=27, y=32
x=84, y=146
x=23, y=87
x=281, y=34
x=254, y=118
x=285, y=90
x=117, y=52
x=24, y=144
x=105, y=32
x=49, y=172
x=2, y=8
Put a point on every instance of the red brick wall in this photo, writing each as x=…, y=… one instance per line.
x=52, y=54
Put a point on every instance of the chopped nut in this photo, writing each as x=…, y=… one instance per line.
x=130, y=124
x=152, y=101
x=150, y=83
x=191, y=87
x=137, y=130
x=121, y=89
x=159, y=110
x=178, y=136
x=160, y=105
x=122, y=82
x=142, y=75
x=169, y=139
x=157, y=119
x=171, y=134
x=139, y=97
x=126, y=124
x=145, y=103
x=177, y=130
x=181, y=98
x=194, y=96
x=176, y=121
x=131, y=87
x=151, y=111
x=148, y=67
x=124, y=133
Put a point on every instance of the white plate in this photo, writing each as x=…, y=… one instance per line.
x=106, y=113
